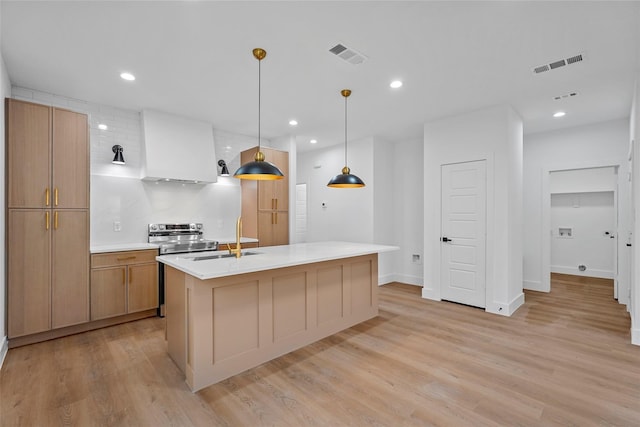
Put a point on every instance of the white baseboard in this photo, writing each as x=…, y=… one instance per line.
x=432, y=294
x=533, y=285
x=635, y=336
x=401, y=278
x=4, y=348
x=387, y=278
x=602, y=274
x=408, y=279
x=506, y=309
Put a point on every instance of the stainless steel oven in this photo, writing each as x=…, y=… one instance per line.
x=177, y=239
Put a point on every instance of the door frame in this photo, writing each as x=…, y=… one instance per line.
x=545, y=279
x=432, y=275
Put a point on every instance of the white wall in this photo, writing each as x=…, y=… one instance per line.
x=634, y=303
x=589, y=216
x=117, y=193
x=408, y=211
x=494, y=134
x=5, y=92
x=348, y=214
x=596, y=145
x=366, y=215
x=383, y=207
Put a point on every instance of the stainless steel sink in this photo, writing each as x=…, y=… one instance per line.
x=218, y=256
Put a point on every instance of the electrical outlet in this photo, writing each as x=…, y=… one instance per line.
x=117, y=226
x=416, y=259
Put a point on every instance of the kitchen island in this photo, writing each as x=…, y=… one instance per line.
x=226, y=315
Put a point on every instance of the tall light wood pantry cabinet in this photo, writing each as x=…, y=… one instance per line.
x=47, y=217
x=265, y=204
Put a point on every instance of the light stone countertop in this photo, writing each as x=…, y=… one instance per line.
x=119, y=247
x=267, y=258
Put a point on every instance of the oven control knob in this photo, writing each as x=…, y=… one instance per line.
x=192, y=226
x=199, y=226
x=154, y=227
x=161, y=226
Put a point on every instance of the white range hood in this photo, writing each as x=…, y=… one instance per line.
x=177, y=149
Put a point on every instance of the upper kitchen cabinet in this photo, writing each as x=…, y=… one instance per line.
x=265, y=204
x=28, y=154
x=47, y=157
x=70, y=159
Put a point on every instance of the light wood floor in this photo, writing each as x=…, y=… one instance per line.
x=563, y=359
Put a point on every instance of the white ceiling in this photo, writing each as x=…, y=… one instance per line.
x=194, y=59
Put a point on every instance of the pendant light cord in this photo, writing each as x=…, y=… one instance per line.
x=259, y=91
x=345, y=131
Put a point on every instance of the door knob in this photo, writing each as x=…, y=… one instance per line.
x=446, y=239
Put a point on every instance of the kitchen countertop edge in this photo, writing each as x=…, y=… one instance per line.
x=269, y=258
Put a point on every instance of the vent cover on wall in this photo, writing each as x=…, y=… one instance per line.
x=347, y=54
x=559, y=63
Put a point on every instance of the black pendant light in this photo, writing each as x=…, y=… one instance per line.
x=259, y=169
x=346, y=179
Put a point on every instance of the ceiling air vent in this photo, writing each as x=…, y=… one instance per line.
x=559, y=63
x=347, y=54
x=566, y=95
x=574, y=59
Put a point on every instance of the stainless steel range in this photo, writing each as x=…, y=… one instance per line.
x=180, y=238
x=177, y=239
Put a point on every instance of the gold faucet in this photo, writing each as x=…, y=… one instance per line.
x=238, y=233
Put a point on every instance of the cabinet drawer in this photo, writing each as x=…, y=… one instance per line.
x=123, y=258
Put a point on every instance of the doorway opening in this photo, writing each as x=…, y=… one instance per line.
x=581, y=214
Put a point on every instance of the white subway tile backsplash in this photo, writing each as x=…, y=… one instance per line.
x=117, y=191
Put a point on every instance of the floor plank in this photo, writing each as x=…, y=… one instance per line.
x=563, y=359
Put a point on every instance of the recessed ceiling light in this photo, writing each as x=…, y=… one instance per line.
x=102, y=126
x=396, y=84
x=313, y=141
x=293, y=122
x=127, y=76
x=559, y=114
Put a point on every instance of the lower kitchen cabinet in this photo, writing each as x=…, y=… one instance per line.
x=48, y=269
x=108, y=292
x=123, y=283
x=143, y=287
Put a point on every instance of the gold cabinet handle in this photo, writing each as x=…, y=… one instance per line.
x=46, y=220
x=55, y=220
x=276, y=206
x=124, y=258
x=276, y=217
x=124, y=276
x=55, y=196
x=130, y=275
x=271, y=218
x=46, y=197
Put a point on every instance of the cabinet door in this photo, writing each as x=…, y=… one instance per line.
x=281, y=229
x=273, y=228
x=70, y=268
x=28, y=154
x=70, y=154
x=28, y=271
x=108, y=292
x=265, y=228
x=281, y=186
x=143, y=287
x=274, y=195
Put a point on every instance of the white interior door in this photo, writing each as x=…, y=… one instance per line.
x=462, y=247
